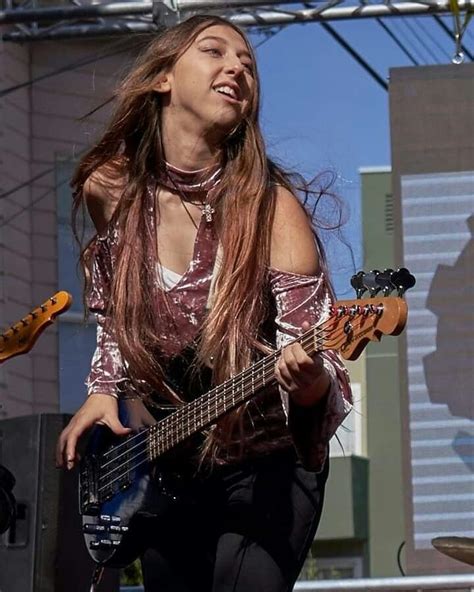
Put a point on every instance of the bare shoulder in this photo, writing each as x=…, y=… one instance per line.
x=102, y=192
x=293, y=246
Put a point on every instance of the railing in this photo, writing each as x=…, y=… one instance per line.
x=418, y=583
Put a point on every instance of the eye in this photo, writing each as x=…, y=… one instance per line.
x=249, y=67
x=214, y=51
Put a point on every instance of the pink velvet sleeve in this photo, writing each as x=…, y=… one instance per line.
x=107, y=367
x=300, y=298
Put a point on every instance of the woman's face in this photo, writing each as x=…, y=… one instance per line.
x=212, y=83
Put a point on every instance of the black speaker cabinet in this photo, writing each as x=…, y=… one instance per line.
x=43, y=550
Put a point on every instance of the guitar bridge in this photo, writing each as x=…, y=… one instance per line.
x=88, y=487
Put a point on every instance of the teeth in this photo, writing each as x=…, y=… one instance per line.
x=226, y=90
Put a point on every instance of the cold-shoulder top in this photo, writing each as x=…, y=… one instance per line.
x=272, y=421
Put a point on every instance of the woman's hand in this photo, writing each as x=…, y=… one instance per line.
x=302, y=377
x=98, y=409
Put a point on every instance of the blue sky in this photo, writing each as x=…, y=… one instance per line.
x=322, y=110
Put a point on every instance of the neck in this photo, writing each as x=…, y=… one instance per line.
x=188, y=149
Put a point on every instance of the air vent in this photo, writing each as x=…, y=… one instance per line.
x=389, y=219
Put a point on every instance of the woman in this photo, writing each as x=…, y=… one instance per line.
x=204, y=260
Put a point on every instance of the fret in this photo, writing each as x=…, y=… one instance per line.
x=187, y=429
x=154, y=447
x=159, y=442
x=167, y=436
x=150, y=446
x=171, y=436
x=178, y=431
x=224, y=400
x=156, y=442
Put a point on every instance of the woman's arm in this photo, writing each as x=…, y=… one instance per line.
x=107, y=368
x=315, y=390
x=293, y=250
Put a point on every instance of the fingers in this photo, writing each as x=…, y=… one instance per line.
x=98, y=409
x=66, y=454
x=114, y=424
x=295, y=369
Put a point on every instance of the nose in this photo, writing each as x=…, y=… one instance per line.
x=234, y=67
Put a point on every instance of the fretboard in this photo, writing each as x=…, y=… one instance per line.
x=208, y=408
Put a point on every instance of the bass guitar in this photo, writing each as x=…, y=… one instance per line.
x=115, y=471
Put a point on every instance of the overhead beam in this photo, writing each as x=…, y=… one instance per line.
x=258, y=17
x=117, y=9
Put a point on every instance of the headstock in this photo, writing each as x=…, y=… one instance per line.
x=353, y=323
x=21, y=336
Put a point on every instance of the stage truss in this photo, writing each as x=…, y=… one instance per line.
x=35, y=20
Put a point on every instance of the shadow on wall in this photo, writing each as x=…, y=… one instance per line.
x=449, y=370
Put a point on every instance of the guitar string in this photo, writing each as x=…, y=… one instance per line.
x=183, y=414
x=144, y=460
x=219, y=408
x=191, y=407
x=230, y=383
x=174, y=437
x=170, y=437
x=169, y=433
x=310, y=332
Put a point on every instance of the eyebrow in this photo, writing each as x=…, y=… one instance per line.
x=223, y=40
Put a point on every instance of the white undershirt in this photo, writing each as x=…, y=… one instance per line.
x=166, y=277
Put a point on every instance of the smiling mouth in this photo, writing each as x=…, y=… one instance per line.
x=227, y=92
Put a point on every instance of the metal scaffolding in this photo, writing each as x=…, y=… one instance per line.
x=81, y=18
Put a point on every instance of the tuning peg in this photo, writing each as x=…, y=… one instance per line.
x=403, y=280
x=384, y=280
x=357, y=282
x=370, y=282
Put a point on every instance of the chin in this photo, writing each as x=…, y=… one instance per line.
x=224, y=126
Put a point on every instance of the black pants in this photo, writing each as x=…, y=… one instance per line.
x=242, y=529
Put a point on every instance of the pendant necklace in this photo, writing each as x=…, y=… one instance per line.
x=188, y=182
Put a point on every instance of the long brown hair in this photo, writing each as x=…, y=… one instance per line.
x=130, y=148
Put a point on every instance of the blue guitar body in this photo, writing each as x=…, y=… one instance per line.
x=117, y=483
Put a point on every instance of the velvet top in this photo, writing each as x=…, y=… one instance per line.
x=271, y=421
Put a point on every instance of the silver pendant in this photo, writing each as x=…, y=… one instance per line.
x=208, y=211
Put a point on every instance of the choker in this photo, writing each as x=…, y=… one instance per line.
x=185, y=182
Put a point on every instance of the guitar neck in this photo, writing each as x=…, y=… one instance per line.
x=350, y=326
x=207, y=409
